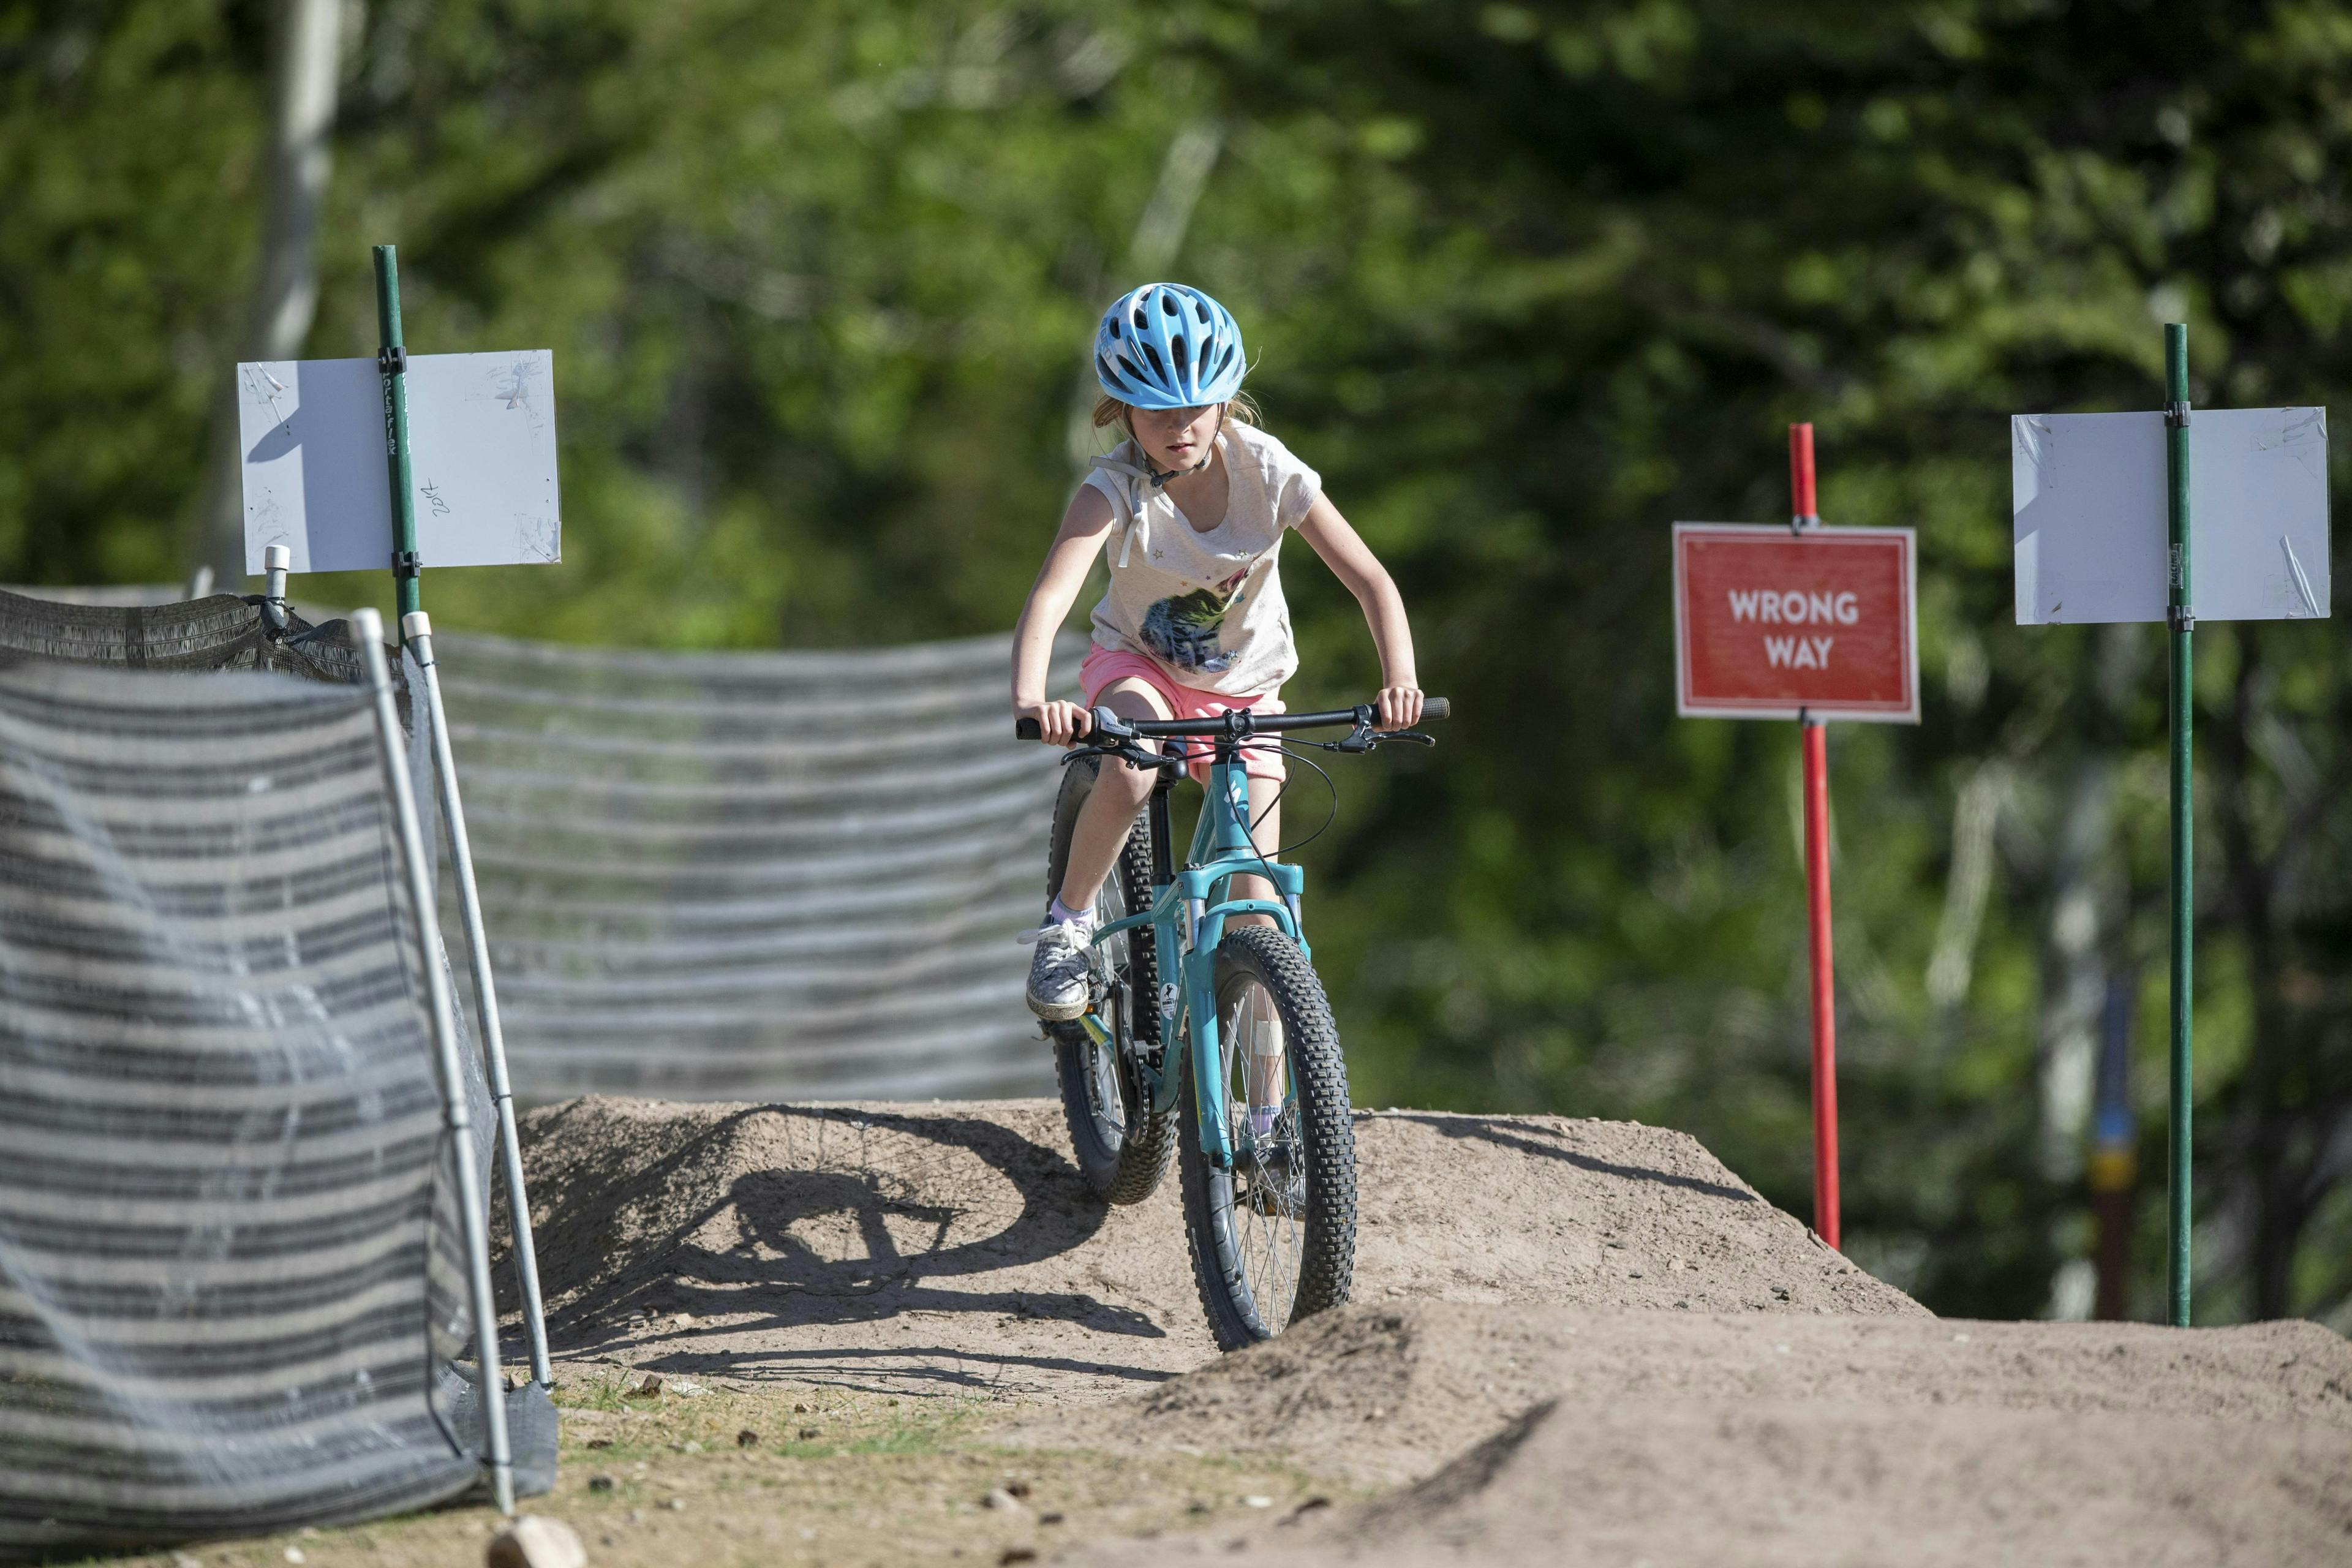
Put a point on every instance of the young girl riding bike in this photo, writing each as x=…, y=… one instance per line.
x=1190, y=509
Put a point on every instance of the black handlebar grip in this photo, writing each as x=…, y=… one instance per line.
x=1026, y=730
x=1435, y=707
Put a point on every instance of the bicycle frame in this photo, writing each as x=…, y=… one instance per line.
x=1188, y=915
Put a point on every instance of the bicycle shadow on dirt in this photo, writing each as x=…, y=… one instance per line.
x=802, y=1217
x=1515, y=1135
x=946, y=1369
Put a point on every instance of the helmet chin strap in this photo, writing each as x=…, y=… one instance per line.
x=1159, y=480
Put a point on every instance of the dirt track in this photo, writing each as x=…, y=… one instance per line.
x=1572, y=1342
x=911, y=1248
x=1562, y=1435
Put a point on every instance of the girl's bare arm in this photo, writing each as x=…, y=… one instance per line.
x=1084, y=525
x=1352, y=560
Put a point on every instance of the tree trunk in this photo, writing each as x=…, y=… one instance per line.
x=1159, y=237
x=2267, y=1160
x=306, y=61
x=2083, y=912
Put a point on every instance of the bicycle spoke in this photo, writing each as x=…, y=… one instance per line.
x=1264, y=1191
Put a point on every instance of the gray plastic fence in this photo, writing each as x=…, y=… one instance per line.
x=232, y=1284
x=756, y=876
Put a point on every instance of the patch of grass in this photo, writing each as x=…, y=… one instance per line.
x=881, y=1482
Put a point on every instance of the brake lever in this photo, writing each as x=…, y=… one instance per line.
x=1414, y=736
x=1126, y=752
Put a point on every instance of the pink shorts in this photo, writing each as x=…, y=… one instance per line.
x=1104, y=666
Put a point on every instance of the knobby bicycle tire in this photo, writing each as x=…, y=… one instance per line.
x=1325, y=1133
x=1123, y=1161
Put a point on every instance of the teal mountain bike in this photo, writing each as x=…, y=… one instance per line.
x=1268, y=1175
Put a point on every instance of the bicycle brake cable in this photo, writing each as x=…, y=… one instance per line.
x=1329, y=816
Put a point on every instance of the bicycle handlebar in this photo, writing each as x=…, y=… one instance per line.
x=1242, y=723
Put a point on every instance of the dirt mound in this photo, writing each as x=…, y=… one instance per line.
x=1587, y=1214
x=1575, y=1341
x=936, y=1246
x=1392, y=1393
x=1698, y=1482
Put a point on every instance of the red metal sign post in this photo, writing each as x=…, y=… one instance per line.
x=1804, y=514
x=1810, y=623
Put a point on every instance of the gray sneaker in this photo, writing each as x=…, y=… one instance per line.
x=1058, y=974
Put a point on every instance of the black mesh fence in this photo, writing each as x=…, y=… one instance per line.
x=231, y=1277
x=786, y=875
x=768, y=875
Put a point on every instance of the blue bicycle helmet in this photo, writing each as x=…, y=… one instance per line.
x=1168, y=346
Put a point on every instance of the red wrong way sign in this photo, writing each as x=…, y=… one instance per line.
x=1775, y=624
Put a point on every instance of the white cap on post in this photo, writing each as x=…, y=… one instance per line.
x=415, y=623
x=276, y=558
x=367, y=627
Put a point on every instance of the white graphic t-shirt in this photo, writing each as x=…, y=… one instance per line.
x=1208, y=606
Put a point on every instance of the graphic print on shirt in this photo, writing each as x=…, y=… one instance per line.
x=1188, y=631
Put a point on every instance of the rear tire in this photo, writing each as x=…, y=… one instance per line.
x=1271, y=1243
x=1122, y=1146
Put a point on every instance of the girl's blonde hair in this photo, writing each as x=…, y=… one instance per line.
x=1109, y=411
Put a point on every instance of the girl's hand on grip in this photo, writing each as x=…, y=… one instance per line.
x=1058, y=723
x=1400, y=707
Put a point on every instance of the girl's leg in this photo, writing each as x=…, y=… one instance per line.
x=1120, y=792
x=1265, y=1062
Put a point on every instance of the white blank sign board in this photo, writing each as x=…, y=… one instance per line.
x=481, y=444
x=2093, y=539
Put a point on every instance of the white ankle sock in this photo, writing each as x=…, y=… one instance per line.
x=1060, y=913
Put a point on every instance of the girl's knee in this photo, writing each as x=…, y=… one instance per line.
x=1128, y=782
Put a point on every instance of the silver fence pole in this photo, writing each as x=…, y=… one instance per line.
x=416, y=628
x=367, y=630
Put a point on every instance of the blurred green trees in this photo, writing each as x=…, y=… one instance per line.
x=1527, y=283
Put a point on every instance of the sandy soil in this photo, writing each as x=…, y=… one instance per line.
x=1390, y=1394
x=926, y=1250
x=895, y=1335
x=1673, y=1482
x=1614, y=1437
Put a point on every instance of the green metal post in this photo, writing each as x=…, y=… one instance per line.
x=392, y=360
x=2178, y=623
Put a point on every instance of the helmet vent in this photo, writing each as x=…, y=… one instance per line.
x=1158, y=368
x=1201, y=311
x=1176, y=346
x=1168, y=306
x=1139, y=322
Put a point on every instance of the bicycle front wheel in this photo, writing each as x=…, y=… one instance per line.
x=1272, y=1239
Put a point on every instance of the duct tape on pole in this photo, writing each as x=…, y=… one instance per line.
x=367, y=630
x=1814, y=623
x=2102, y=509
x=417, y=630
